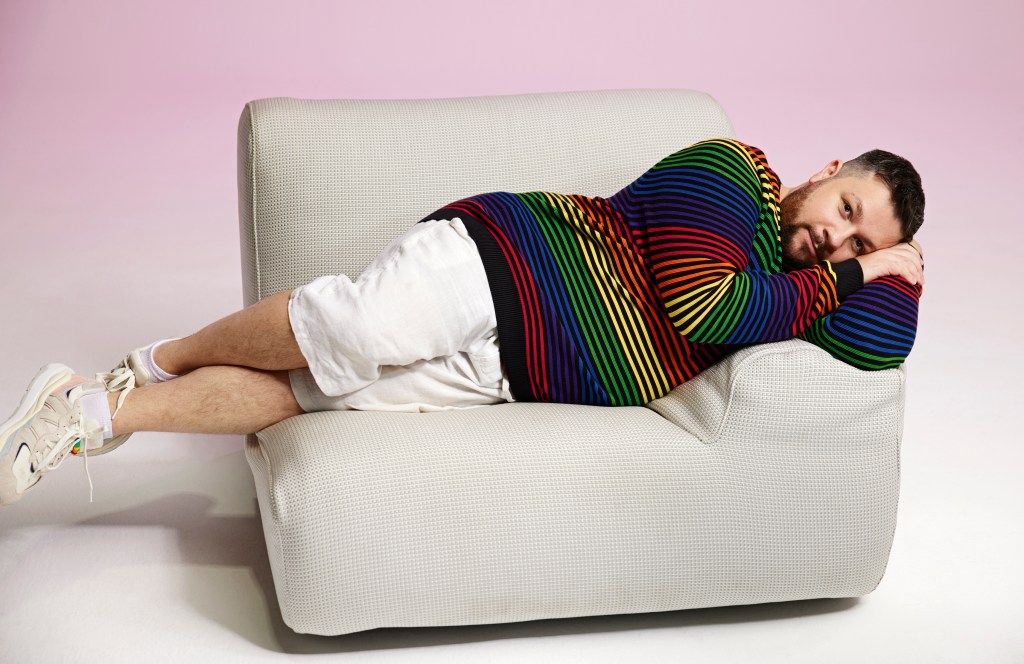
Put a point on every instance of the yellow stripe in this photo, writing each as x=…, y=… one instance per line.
x=722, y=288
x=573, y=214
x=691, y=293
x=604, y=276
x=835, y=277
x=739, y=149
x=575, y=287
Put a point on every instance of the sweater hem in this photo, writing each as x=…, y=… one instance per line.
x=508, y=313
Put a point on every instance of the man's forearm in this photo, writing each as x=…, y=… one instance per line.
x=874, y=328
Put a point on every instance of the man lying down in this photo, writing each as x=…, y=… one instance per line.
x=534, y=296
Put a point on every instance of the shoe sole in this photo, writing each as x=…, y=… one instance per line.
x=49, y=378
x=109, y=446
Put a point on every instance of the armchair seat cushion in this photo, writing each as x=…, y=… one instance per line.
x=726, y=491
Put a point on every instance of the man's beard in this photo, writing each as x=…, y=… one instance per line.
x=789, y=211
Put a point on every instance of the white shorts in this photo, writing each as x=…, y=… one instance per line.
x=416, y=332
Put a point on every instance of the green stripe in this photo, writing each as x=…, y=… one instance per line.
x=723, y=318
x=584, y=299
x=818, y=334
x=719, y=159
x=634, y=346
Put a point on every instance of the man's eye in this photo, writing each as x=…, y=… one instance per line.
x=847, y=209
x=860, y=245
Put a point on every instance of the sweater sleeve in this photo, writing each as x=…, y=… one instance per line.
x=727, y=303
x=710, y=229
x=874, y=328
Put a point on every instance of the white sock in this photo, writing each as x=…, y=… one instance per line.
x=158, y=374
x=95, y=406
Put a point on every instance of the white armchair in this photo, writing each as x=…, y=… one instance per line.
x=772, y=476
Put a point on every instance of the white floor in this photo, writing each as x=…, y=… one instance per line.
x=169, y=564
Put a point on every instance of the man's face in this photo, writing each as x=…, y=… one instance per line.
x=836, y=218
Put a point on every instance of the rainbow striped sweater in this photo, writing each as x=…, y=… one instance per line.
x=615, y=301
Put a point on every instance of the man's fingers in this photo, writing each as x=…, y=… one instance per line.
x=904, y=259
x=920, y=254
x=910, y=261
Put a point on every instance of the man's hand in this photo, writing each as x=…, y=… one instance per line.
x=906, y=259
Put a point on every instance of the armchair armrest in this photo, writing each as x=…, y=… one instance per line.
x=788, y=390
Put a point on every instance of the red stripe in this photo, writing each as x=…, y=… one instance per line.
x=533, y=338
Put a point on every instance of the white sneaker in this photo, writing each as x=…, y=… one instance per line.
x=125, y=377
x=47, y=426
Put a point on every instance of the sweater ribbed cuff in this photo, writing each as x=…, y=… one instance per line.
x=849, y=277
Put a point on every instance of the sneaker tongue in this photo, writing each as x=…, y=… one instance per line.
x=96, y=414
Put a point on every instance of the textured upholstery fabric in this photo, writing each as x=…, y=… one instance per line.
x=772, y=476
x=324, y=185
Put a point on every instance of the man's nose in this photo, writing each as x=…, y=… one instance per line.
x=837, y=237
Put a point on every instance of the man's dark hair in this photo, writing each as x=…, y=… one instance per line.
x=903, y=182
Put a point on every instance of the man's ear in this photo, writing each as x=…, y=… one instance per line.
x=831, y=168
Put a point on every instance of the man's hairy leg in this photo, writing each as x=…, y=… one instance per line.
x=259, y=336
x=211, y=399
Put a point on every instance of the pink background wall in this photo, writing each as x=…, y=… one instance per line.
x=117, y=118
x=118, y=226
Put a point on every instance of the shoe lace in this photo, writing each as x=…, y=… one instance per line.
x=57, y=447
x=120, y=378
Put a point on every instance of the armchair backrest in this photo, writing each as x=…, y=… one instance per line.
x=325, y=184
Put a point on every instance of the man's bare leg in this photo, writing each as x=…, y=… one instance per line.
x=259, y=336
x=219, y=398
x=211, y=399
